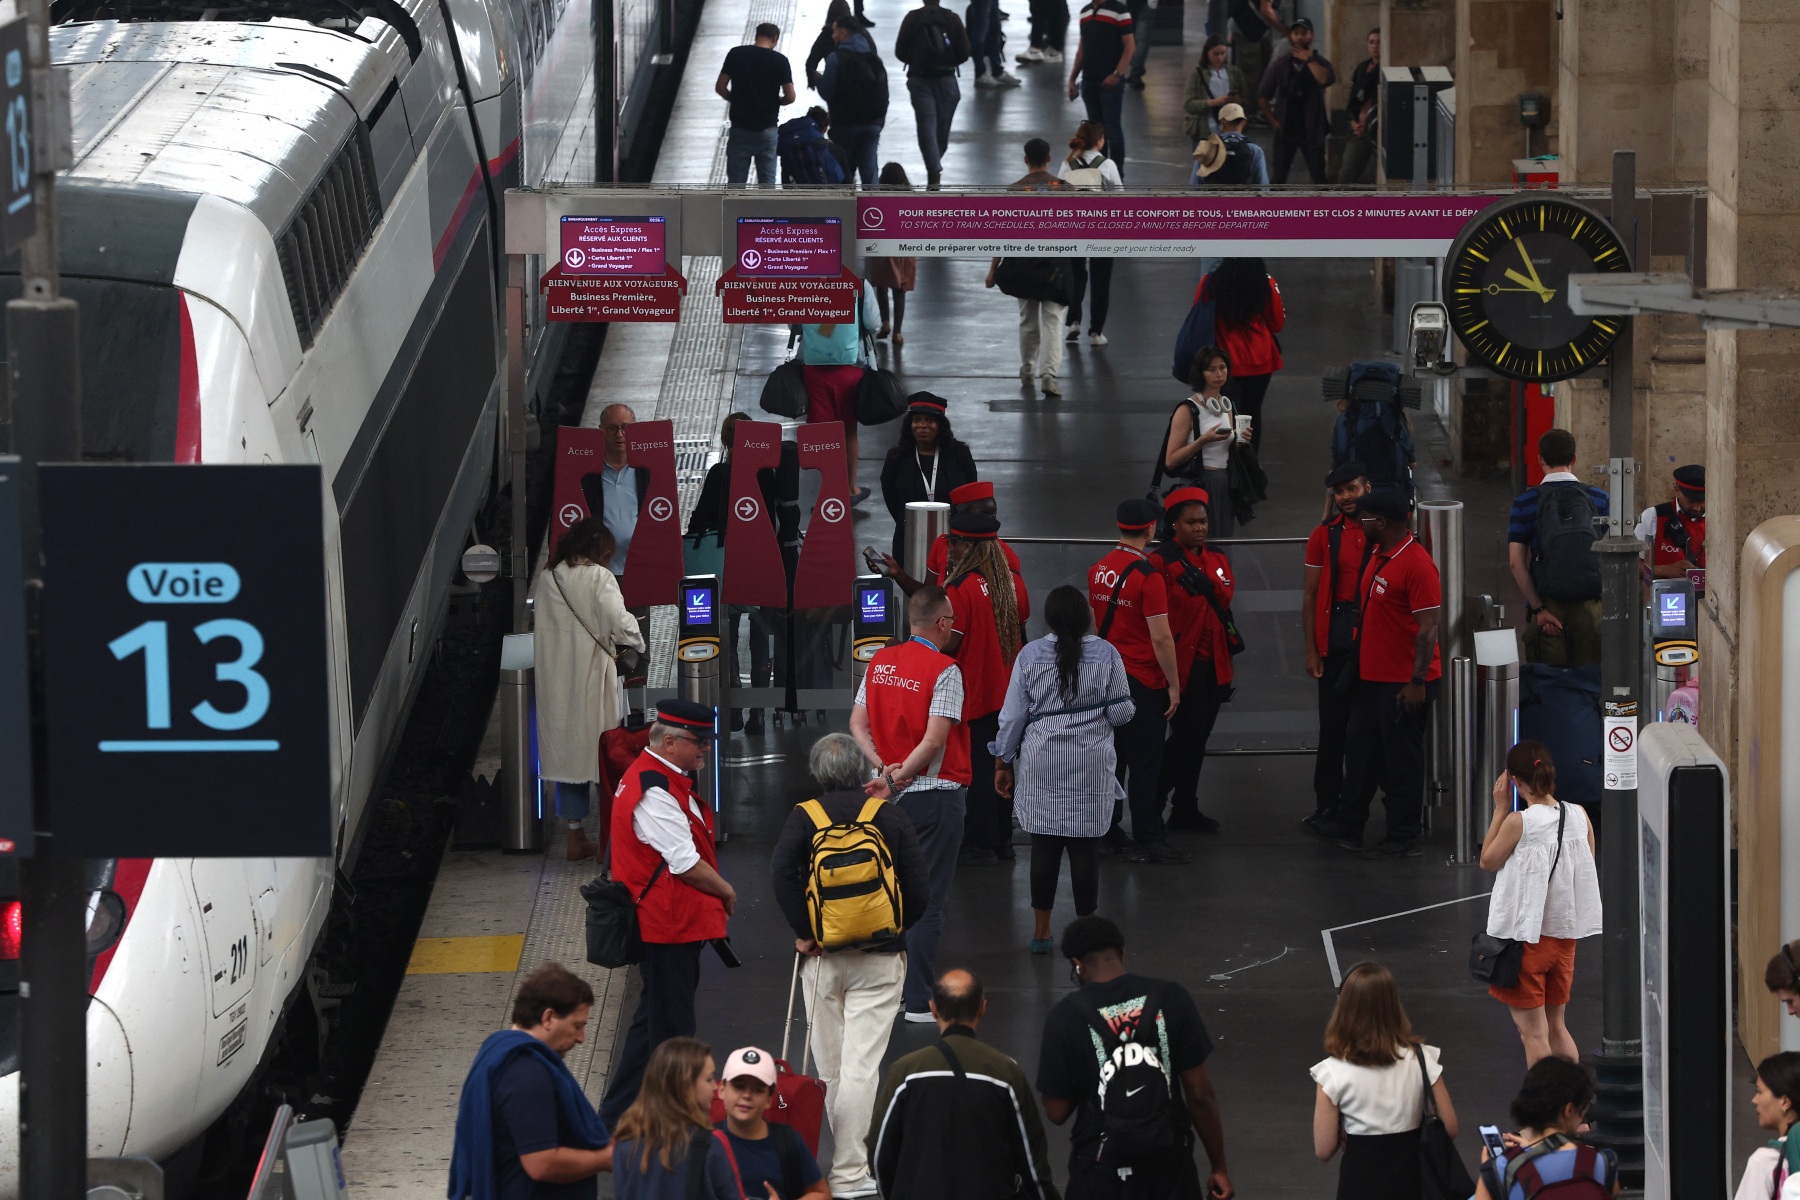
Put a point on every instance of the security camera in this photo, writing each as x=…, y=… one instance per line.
x=1429, y=338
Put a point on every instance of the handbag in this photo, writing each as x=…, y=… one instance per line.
x=613, y=938
x=1495, y=960
x=704, y=553
x=1197, y=332
x=1043, y=279
x=1442, y=1175
x=879, y=397
x=784, y=391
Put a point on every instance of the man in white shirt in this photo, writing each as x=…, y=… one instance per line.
x=615, y=491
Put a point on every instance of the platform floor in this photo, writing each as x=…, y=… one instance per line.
x=1242, y=926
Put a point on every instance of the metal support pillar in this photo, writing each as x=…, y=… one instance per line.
x=513, y=429
x=1618, y=1112
x=926, y=521
x=1459, y=702
x=1441, y=533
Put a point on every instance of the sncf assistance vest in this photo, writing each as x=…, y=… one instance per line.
x=672, y=910
x=898, y=697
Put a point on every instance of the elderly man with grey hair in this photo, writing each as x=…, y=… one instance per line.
x=851, y=995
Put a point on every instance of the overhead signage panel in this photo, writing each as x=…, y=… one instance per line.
x=785, y=248
x=612, y=297
x=1079, y=224
x=613, y=246
x=187, y=699
x=788, y=301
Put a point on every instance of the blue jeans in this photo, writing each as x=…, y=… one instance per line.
x=572, y=800
x=743, y=145
x=937, y=817
x=987, y=39
x=1106, y=105
x=934, y=104
x=863, y=144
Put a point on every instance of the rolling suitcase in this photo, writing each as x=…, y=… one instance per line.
x=799, y=1099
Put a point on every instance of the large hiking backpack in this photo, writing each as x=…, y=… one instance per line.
x=1137, y=1094
x=932, y=48
x=1372, y=429
x=852, y=891
x=862, y=89
x=806, y=153
x=1585, y=1174
x=1567, y=567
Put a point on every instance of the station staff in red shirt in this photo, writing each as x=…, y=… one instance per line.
x=908, y=720
x=984, y=639
x=1131, y=610
x=662, y=850
x=1397, y=662
x=1200, y=586
x=1336, y=553
x=976, y=498
x=1676, y=530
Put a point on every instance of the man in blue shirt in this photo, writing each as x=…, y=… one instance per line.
x=1230, y=159
x=621, y=485
x=1558, y=573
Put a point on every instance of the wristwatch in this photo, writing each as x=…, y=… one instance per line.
x=1419, y=679
x=1532, y=612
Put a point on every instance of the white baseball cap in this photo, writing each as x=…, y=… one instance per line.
x=758, y=1064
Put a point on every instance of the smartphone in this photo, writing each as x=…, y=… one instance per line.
x=873, y=559
x=728, y=956
x=1490, y=1137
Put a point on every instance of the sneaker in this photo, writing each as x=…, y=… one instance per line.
x=986, y=81
x=1136, y=81
x=1052, y=55
x=1320, y=814
x=1193, y=821
x=1007, y=79
x=1027, y=374
x=1031, y=55
x=1337, y=835
x=1392, y=848
x=1096, y=338
x=1050, y=388
x=920, y=1018
x=857, y=1191
x=860, y=494
x=1042, y=945
x=1073, y=335
x=1160, y=852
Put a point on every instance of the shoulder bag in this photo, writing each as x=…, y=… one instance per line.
x=879, y=396
x=1495, y=960
x=613, y=939
x=1442, y=1175
x=784, y=391
x=1188, y=470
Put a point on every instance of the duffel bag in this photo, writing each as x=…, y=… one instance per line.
x=784, y=391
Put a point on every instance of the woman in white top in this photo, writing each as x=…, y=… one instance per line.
x=1371, y=1093
x=580, y=624
x=1546, y=895
x=1088, y=167
x=1200, y=433
x=1773, y=1172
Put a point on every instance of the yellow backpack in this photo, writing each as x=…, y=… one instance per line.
x=852, y=893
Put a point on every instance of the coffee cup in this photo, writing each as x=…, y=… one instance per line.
x=1243, y=427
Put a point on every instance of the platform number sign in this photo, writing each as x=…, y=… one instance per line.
x=20, y=220
x=186, y=661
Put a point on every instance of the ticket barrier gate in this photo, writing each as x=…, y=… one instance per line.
x=877, y=618
x=1674, y=641
x=700, y=650
x=1684, y=893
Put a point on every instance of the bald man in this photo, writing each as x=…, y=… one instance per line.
x=614, y=492
x=963, y=1129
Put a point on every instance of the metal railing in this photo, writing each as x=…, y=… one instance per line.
x=1113, y=541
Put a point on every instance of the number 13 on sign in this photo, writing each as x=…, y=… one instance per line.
x=151, y=639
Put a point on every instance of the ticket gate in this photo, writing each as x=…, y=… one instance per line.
x=1674, y=640
x=700, y=651
x=877, y=617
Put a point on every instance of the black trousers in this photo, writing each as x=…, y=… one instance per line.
x=1334, y=720
x=1247, y=392
x=987, y=821
x=1096, y=272
x=1385, y=749
x=1084, y=871
x=1283, y=159
x=671, y=974
x=1186, y=752
x=1050, y=25
x=1138, y=744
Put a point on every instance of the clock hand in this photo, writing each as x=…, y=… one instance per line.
x=1494, y=289
x=1546, y=294
x=1543, y=293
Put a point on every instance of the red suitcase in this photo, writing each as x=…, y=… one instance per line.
x=799, y=1098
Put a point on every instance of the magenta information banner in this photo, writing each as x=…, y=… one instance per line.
x=1076, y=224
x=780, y=248
x=614, y=245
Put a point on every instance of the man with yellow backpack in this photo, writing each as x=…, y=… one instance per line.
x=850, y=879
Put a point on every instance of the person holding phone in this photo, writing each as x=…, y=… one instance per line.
x=1201, y=431
x=1551, y=1109
x=1369, y=1099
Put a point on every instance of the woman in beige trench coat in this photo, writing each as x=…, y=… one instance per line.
x=581, y=623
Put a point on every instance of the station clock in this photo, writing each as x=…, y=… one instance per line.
x=1506, y=284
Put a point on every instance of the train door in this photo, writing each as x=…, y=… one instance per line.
x=228, y=929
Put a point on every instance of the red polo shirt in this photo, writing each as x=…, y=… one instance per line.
x=1395, y=587
x=1145, y=594
x=985, y=670
x=937, y=561
x=1341, y=577
x=1199, y=634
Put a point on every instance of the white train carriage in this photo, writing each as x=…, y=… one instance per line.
x=281, y=228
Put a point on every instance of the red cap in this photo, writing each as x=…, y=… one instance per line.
x=971, y=491
x=1184, y=495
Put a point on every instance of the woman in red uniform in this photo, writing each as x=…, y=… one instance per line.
x=986, y=638
x=1200, y=587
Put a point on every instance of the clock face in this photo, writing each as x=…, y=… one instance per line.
x=1507, y=287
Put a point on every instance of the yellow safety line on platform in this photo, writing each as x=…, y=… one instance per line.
x=466, y=955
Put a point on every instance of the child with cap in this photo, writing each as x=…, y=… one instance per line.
x=771, y=1159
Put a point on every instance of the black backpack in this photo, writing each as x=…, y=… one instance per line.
x=862, y=89
x=1239, y=169
x=1141, y=1117
x=933, y=48
x=1567, y=567
x=1035, y=279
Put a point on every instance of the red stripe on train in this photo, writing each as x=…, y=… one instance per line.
x=128, y=880
x=187, y=411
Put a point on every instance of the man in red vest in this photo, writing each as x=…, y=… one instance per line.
x=908, y=721
x=662, y=849
x=1676, y=530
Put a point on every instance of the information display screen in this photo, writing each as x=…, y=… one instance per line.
x=874, y=605
x=1671, y=611
x=614, y=246
x=697, y=608
x=783, y=248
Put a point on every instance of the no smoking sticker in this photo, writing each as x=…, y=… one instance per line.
x=1620, y=751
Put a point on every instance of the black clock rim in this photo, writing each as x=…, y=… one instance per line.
x=1467, y=234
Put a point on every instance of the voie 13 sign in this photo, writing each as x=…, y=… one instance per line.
x=185, y=656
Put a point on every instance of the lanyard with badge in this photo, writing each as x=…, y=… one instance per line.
x=937, y=460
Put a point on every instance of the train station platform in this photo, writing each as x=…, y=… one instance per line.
x=1255, y=925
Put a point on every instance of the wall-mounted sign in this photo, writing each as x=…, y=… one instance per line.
x=612, y=298
x=790, y=248
x=187, y=698
x=788, y=301
x=614, y=245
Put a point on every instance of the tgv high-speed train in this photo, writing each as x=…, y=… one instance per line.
x=280, y=225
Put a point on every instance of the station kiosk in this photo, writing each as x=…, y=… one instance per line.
x=1685, y=901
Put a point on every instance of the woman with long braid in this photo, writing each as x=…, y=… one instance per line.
x=986, y=638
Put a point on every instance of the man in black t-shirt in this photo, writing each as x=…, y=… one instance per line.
x=756, y=81
x=1292, y=97
x=1102, y=61
x=1365, y=116
x=1069, y=1066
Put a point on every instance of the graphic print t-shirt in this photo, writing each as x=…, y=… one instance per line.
x=1069, y=1061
